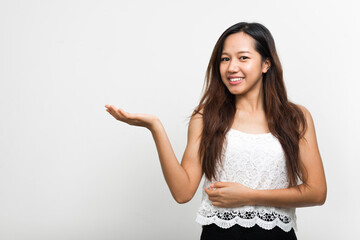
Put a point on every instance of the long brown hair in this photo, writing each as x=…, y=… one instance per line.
x=286, y=121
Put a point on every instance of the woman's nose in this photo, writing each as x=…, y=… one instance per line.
x=233, y=66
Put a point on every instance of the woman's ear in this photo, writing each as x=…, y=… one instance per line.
x=266, y=65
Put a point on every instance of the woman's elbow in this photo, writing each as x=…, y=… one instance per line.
x=182, y=199
x=320, y=197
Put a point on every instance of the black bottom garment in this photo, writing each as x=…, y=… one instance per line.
x=236, y=232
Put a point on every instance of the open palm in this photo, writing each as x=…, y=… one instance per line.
x=135, y=119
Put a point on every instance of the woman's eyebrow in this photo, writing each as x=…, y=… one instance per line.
x=225, y=53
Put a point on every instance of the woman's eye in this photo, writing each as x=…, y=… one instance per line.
x=243, y=58
x=225, y=59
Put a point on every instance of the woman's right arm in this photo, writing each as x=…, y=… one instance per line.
x=183, y=179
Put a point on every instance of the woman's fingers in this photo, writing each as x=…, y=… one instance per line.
x=136, y=119
x=217, y=204
x=113, y=111
x=122, y=112
x=119, y=113
x=212, y=194
x=214, y=197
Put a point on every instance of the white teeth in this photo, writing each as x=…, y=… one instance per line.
x=236, y=79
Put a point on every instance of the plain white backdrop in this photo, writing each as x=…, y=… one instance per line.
x=68, y=170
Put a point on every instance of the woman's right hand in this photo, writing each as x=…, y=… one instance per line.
x=135, y=119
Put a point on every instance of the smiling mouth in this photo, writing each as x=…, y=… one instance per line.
x=236, y=79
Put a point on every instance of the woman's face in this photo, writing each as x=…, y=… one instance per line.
x=241, y=67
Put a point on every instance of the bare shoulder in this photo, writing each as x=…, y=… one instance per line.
x=196, y=125
x=307, y=114
x=310, y=128
x=196, y=119
x=305, y=111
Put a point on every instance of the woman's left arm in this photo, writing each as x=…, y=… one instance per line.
x=311, y=193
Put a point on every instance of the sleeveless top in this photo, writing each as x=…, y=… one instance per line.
x=256, y=161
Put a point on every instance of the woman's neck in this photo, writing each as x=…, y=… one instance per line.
x=250, y=102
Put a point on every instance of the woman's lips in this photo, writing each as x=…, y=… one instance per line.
x=235, y=81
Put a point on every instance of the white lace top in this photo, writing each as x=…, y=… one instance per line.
x=257, y=161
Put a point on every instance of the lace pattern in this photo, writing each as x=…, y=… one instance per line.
x=258, y=162
x=248, y=218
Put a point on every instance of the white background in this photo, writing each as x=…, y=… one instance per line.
x=68, y=170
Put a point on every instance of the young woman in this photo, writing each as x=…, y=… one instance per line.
x=257, y=150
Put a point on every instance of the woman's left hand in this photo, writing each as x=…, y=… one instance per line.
x=229, y=194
